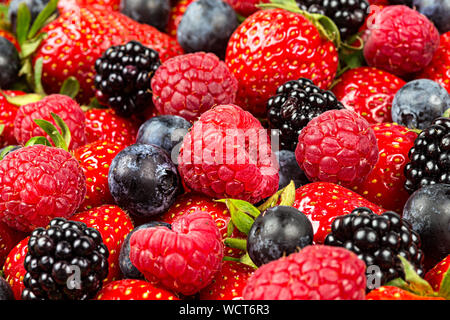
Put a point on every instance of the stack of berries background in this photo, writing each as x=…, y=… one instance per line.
x=224, y=149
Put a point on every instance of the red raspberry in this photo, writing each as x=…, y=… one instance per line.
x=184, y=259
x=227, y=155
x=37, y=184
x=245, y=7
x=317, y=272
x=65, y=107
x=190, y=84
x=338, y=146
x=401, y=40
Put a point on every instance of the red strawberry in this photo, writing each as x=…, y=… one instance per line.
x=14, y=270
x=8, y=239
x=273, y=46
x=394, y=293
x=322, y=202
x=8, y=113
x=183, y=259
x=384, y=185
x=437, y=273
x=176, y=14
x=193, y=202
x=79, y=36
x=105, y=125
x=114, y=225
x=112, y=5
x=129, y=289
x=369, y=92
x=228, y=283
x=95, y=159
x=439, y=68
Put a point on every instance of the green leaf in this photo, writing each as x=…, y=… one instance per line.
x=241, y=220
x=38, y=140
x=23, y=23
x=42, y=18
x=38, y=88
x=246, y=207
x=70, y=87
x=444, y=290
x=287, y=196
x=415, y=282
x=65, y=131
x=446, y=113
x=245, y=259
x=227, y=258
x=23, y=99
x=236, y=243
x=2, y=128
x=54, y=134
x=230, y=228
x=30, y=46
x=5, y=151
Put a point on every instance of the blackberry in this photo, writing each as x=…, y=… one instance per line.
x=65, y=261
x=295, y=104
x=378, y=240
x=123, y=77
x=348, y=15
x=429, y=157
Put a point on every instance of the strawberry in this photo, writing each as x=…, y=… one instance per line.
x=384, y=185
x=111, y=5
x=114, y=225
x=273, y=46
x=129, y=289
x=8, y=239
x=439, y=68
x=80, y=35
x=176, y=14
x=394, y=293
x=436, y=275
x=106, y=125
x=321, y=202
x=369, y=92
x=95, y=159
x=8, y=113
x=228, y=283
x=14, y=270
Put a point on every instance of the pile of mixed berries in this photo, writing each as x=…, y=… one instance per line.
x=224, y=149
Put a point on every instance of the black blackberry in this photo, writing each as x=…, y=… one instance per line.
x=348, y=15
x=295, y=104
x=429, y=157
x=123, y=77
x=378, y=240
x=66, y=261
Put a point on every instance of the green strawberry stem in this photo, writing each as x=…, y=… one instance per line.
x=70, y=87
x=283, y=197
x=446, y=113
x=5, y=151
x=236, y=243
x=2, y=128
x=60, y=140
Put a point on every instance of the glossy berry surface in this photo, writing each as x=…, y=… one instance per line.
x=289, y=170
x=276, y=232
x=153, y=12
x=438, y=11
x=55, y=253
x=6, y=292
x=123, y=77
x=378, y=240
x=9, y=63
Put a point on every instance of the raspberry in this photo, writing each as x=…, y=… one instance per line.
x=339, y=146
x=65, y=107
x=402, y=41
x=190, y=84
x=38, y=183
x=317, y=272
x=184, y=259
x=227, y=155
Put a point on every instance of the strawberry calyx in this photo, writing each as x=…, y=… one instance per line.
x=60, y=138
x=446, y=113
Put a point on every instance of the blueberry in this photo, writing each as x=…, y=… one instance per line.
x=289, y=170
x=143, y=180
x=206, y=26
x=152, y=12
x=428, y=211
x=166, y=131
x=438, y=11
x=35, y=7
x=9, y=63
x=6, y=292
x=276, y=232
x=418, y=103
x=129, y=271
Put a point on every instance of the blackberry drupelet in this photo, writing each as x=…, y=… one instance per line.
x=429, y=157
x=61, y=253
x=348, y=15
x=295, y=104
x=378, y=240
x=123, y=77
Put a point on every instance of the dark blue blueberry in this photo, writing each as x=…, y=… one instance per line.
x=428, y=211
x=166, y=131
x=276, y=232
x=289, y=170
x=9, y=63
x=143, y=180
x=418, y=103
x=35, y=7
x=129, y=271
x=438, y=11
x=152, y=12
x=6, y=292
x=206, y=26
